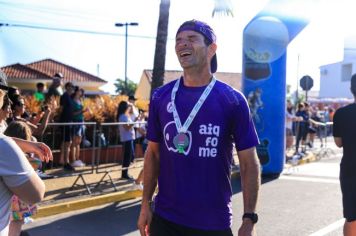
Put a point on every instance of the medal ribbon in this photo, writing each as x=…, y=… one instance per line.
x=195, y=110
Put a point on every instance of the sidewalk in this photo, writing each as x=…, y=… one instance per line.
x=59, y=198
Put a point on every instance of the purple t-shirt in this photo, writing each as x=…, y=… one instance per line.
x=194, y=186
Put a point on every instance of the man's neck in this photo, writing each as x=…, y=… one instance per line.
x=196, y=78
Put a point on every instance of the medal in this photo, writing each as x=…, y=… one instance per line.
x=181, y=141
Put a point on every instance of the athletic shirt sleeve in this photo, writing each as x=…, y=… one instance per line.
x=15, y=170
x=154, y=132
x=243, y=128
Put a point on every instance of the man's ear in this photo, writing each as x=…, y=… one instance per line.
x=212, y=49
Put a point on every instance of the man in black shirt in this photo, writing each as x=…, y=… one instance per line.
x=66, y=116
x=344, y=131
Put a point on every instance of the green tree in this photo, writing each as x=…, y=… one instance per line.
x=120, y=87
x=223, y=7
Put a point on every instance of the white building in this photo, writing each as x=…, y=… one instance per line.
x=335, y=78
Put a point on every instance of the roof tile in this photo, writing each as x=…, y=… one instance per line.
x=19, y=71
x=50, y=67
x=45, y=69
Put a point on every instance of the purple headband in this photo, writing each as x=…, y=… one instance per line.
x=206, y=31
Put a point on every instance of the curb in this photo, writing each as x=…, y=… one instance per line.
x=54, y=209
x=310, y=158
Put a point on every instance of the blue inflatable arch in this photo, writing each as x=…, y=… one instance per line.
x=265, y=41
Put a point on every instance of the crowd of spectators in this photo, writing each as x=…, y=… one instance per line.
x=304, y=123
x=63, y=103
x=25, y=128
x=70, y=109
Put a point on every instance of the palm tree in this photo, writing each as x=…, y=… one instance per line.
x=221, y=7
x=161, y=43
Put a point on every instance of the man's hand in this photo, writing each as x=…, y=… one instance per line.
x=247, y=228
x=144, y=220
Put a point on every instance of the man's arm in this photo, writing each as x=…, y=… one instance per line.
x=250, y=181
x=151, y=172
x=21, y=179
x=32, y=191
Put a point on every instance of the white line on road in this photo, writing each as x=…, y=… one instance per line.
x=309, y=179
x=329, y=228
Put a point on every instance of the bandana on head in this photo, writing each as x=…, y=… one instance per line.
x=205, y=30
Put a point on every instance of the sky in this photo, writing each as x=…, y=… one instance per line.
x=320, y=43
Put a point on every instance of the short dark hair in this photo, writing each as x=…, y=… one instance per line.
x=16, y=101
x=68, y=84
x=40, y=85
x=76, y=89
x=121, y=109
x=353, y=85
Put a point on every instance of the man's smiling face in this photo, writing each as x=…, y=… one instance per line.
x=191, y=49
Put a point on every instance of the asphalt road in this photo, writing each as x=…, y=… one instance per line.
x=305, y=200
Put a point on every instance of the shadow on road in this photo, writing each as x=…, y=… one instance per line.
x=114, y=219
x=236, y=182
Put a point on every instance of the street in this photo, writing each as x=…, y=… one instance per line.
x=305, y=200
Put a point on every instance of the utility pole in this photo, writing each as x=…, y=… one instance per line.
x=126, y=26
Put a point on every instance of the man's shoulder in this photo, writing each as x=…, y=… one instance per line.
x=346, y=110
x=228, y=93
x=162, y=91
x=5, y=140
x=8, y=147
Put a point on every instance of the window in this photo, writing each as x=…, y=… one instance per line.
x=346, y=72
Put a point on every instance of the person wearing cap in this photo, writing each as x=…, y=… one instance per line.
x=344, y=131
x=16, y=174
x=192, y=125
x=55, y=88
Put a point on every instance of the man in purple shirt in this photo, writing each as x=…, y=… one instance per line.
x=193, y=123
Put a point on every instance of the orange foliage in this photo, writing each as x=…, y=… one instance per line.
x=101, y=108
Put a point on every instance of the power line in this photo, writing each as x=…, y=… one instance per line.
x=30, y=9
x=71, y=30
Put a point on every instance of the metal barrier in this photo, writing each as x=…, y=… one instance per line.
x=113, y=142
x=57, y=130
x=102, y=143
x=325, y=151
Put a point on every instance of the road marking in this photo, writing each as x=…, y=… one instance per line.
x=329, y=228
x=309, y=179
